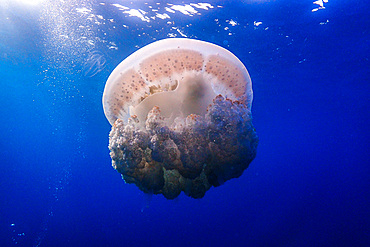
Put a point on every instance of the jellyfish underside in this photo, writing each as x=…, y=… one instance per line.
x=190, y=97
x=186, y=130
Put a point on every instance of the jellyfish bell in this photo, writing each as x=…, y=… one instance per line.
x=188, y=73
x=180, y=111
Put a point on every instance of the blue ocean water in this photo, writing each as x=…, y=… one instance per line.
x=308, y=186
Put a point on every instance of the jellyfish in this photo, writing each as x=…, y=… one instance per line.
x=94, y=64
x=180, y=111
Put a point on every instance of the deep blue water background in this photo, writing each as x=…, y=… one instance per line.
x=308, y=186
